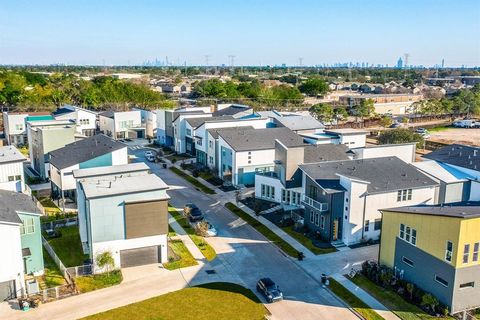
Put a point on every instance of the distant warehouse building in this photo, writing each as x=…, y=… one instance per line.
x=384, y=103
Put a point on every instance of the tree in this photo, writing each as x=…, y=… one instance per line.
x=201, y=228
x=385, y=121
x=429, y=301
x=365, y=109
x=340, y=113
x=399, y=135
x=105, y=261
x=323, y=111
x=314, y=87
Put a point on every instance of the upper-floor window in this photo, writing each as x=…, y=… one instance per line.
x=19, y=127
x=189, y=132
x=28, y=226
x=378, y=224
x=408, y=234
x=210, y=144
x=476, y=248
x=466, y=253
x=126, y=124
x=312, y=192
x=84, y=121
x=199, y=142
x=449, y=251
x=367, y=225
x=404, y=195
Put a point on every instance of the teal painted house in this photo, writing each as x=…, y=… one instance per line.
x=93, y=152
x=31, y=240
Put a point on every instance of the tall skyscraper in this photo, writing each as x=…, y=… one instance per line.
x=443, y=63
x=400, y=63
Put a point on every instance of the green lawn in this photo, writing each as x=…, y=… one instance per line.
x=197, y=184
x=402, y=308
x=98, y=281
x=206, y=302
x=185, y=257
x=171, y=232
x=307, y=242
x=352, y=300
x=269, y=234
x=68, y=247
x=50, y=207
x=52, y=276
x=206, y=249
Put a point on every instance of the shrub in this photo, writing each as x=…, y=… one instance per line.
x=195, y=173
x=429, y=302
x=442, y=310
x=173, y=160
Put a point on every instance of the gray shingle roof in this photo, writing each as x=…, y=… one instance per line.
x=247, y=138
x=382, y=174
x=232, y=110
x=325, y=152
x=12, y=202
x=458, y=155
x=462, y=210
x=299, y=122
x=197, y=122
x=83, y=150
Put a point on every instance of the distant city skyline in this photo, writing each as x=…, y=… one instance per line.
x=212, y=32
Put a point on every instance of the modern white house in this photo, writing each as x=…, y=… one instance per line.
x=46, y=136
x=243, y=151
x=463, y=163
x=15, y=125
x=122, y=125
x=85, y=119
x=297, y=122
x=12, y=175
x=21, y=249
x=92, y=152
x=123, y=210
x=353, y=138
x=342, y=199
x=180, y=128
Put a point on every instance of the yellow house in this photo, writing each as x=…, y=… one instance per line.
x=437, y=247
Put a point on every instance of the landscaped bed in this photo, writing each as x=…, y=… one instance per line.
x=353, y=301
x=50, y=207
x=218, y=300
x=68, y=247
x=269, y=234
x=179, y=256
x=197, y=184
x=98, y=281
x=308, y=242
x=207, y=250
x=52, y=276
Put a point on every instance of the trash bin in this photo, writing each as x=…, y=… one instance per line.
x=324, y=278
x=300, y=256
x=164, y=166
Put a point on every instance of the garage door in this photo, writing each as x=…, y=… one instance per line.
x=7, y=290
x=139, y=256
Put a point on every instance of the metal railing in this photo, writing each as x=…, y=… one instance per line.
x=321, y=206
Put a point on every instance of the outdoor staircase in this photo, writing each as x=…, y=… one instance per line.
x=272, y=209
x=338, y=244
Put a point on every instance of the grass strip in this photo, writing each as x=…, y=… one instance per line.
x=197, y=184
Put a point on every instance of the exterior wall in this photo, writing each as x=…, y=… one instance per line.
x=120, y=156
x=354, y=141
x=33, y=241
x=454, y=192
x=273, y=182
x=15, y=127
x=466, y=298
x=392, y=107
x=247, y=162
x=116, y=246
x=86, y=122
x=179, y=128
x=212, y=152
x=474, y=191
x=11, y=267
x=107, y=126
x=134, y=116
x=12, y=169
x=473, y=173
x=405, y=152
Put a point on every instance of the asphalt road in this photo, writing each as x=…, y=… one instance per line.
x=248, y=254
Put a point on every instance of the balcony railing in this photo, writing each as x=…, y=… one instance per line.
x=321, y=206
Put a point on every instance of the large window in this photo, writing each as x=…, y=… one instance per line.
x=267, y=191
x=408, y=234
x=322, y=222
x=189, y=132
x=28, y=226
x=449, y=251
x=377, y=224
x=313, y=192
x=404, y=195
x=402, y=231
x=466, y=253
x=441, y=281
x=476, y=248
x=467, y=285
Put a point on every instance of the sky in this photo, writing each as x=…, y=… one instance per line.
x=256, y=32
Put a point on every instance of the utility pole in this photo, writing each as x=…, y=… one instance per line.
x=207, y=58
x=300, y=62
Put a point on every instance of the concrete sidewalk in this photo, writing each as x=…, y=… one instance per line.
x=187, y=241
x=365, y=297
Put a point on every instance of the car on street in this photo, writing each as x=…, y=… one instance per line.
x=395, y=125
x=149, y=153
x=421, y=130
x=193, y=213
x=269, y=290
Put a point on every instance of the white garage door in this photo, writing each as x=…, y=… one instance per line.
x=139, y=256
x=7, y=290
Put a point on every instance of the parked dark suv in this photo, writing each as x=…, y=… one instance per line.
x=193, y=213
x=269, y=289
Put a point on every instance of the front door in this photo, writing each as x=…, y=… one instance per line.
x=335, y=230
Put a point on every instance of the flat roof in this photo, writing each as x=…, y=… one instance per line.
x=347, y=131
x=112, y=185
x=441, y=172
x=104, y=171
x=10, y=154
x=463, y=210
x=50, y=123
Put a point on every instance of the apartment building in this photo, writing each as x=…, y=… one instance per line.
x=86, y=120
x=123, y=210
x=342, y=199
x=15, y=125
x=12, y=177
x=384, y=103
x=437, y=248
x=92, y=152
x=122, y=124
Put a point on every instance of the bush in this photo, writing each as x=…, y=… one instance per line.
x=195, y=173
x=400, y=135
x=442, y=310
x=173, y=160
x=429, y=302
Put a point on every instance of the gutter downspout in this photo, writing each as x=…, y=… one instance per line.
x=364, y=209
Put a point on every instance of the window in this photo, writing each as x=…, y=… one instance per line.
x=449, y=251
x=407, y=234
x=84, y=121
x=466, y=253
x=28, y=226
x=199, y=142
x=294, y=197
x=11, y=178
x=249, y=161
x=313, y=192
x=467, y=285
x=404, y=195
x=322, y=222
x=316, y=218
x=378, y=224
x=441, y=281
x=402, y=231
x=367, y=225
x=476, y=248
x=414, y=237
x=19, y=127
x=210, y=158
x=210, y=144
x=18, y=178
x=311, y=216
x=189, y=132
x=407, y=261
x=267, y=191
x=263, y=190
x=283, y=195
